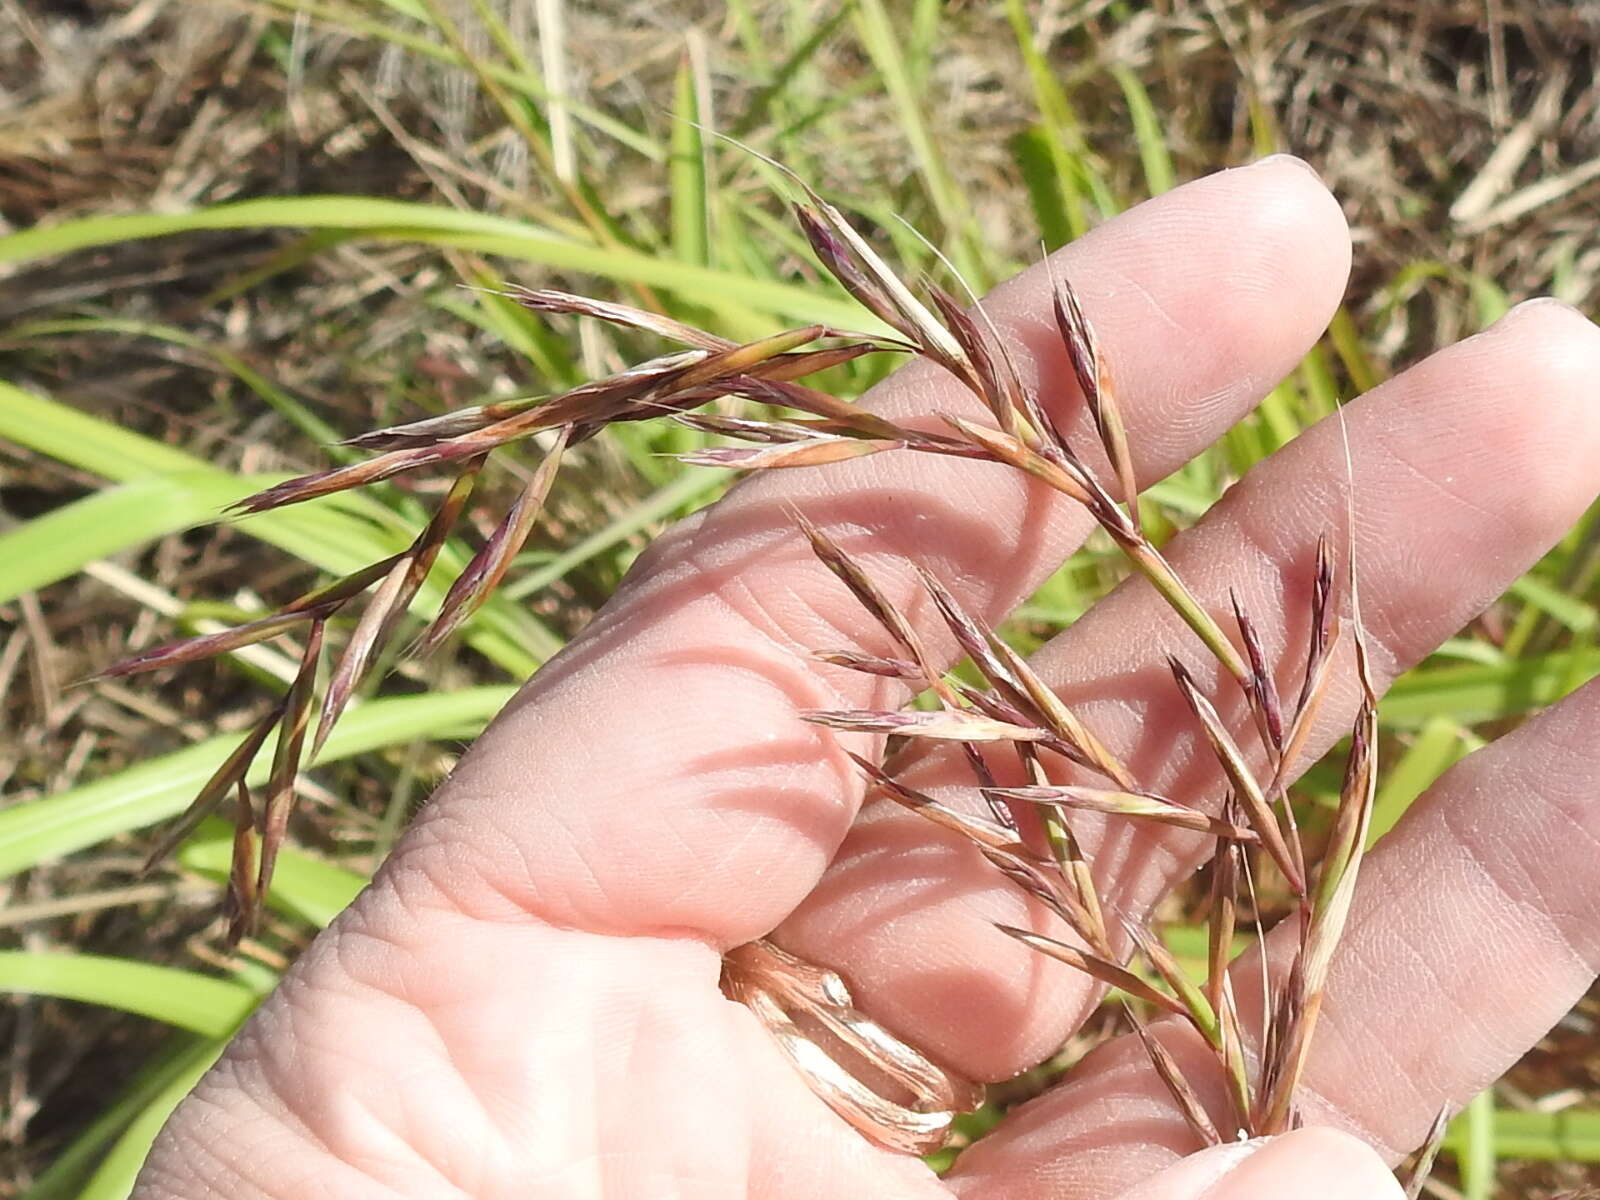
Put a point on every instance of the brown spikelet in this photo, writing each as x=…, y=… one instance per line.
x=211, y=794
x=489, y=565
x=975, y=829
x=984, y=379
x=1102, y=969
x=813, y=452
x=242, y=906
x=1240, y=778
x=279, y=800
x=389, y=603
x=948, y=725
x=1094, y=381
x=866, y=592
x=549, y=300
x=865, y=276
x=1263, y=690
x=1128, y=804
x=1178, y=1087
x=870, y=664
x=1064, y=477
x=1165, y=964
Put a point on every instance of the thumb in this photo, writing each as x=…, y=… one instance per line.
x=1315, y=1161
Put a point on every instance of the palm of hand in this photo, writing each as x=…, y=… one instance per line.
x=526, y=1004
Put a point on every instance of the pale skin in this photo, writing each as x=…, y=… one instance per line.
x=525, y=1003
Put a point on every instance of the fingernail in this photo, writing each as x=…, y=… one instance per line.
x=1275, y=160
x=1547, y=306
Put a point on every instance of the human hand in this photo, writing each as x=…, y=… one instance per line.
x=526, y=1003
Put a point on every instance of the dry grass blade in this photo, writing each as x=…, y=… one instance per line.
x=279, y=801
x=212, y=792
x=1181, y=1091
x=1093, y=965
x=1422, y=1164
x=948, y=725
x=1094, y=381
x=489, y=565
x=1127, y=804
x=814, y=452
x=1240, y=777
x=390, y=602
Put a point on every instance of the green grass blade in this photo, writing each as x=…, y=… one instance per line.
x=884, y=45
x=160, y=788
x=398, y=220
x=1347, y=344
x=1474, y=692
x=1159, y=175
x=114, y=1178
x=70, y=1170
x=303, y=886
x=187, y=999
x=1572, y=1135
x=1439, y=745
x=328, y=535
x=691, y=222
x=1475, y=1152
x=55, y=545
x=291, y=409
x=1057, y=210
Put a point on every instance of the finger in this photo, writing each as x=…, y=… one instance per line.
x=1476, y=926
x=1313, y=1161
x=1466, y=469
x=655, y=777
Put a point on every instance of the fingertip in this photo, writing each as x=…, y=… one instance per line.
x=1558, y=340
x=1314, y=1161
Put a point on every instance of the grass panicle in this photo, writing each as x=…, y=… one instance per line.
x=1010, y=726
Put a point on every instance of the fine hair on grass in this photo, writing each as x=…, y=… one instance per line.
x=1011, y=725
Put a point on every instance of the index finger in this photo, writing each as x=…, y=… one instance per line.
x=654, y=778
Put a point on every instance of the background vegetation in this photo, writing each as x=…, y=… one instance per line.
x=236, y=232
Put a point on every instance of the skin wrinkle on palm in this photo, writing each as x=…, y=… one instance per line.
x=637, y=1018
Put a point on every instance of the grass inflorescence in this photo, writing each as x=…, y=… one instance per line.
x=1012, y=713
